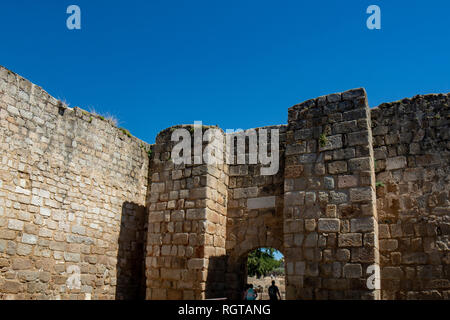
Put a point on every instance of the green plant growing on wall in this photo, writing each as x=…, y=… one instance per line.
x=126, y=132
x=106, y=117
x=323, y=140
x=379, y=184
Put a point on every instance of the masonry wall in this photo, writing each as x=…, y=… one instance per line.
x=254, y=210
x=89, y=212
x=329, y=204
x=187, y=220
x=412, y=153
x=72, y=191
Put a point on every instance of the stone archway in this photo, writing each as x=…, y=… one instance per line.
x=262, y=278
x=236, y=274
x=319, y=210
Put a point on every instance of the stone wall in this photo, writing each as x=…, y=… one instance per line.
x=412, y=153
x=187, y=219
x=330, y=221
x=254, y=210
x=72, y=191
x=89, y=212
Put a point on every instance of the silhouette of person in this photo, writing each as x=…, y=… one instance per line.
x=274, y=292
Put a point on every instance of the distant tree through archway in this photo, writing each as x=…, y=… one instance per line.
x=263, y=266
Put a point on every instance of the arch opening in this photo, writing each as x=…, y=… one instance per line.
x=264, y=270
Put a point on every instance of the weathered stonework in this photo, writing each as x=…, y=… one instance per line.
x=72, y=200
x=411, y=146
x=88, y=212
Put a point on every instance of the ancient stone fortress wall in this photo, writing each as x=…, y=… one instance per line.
x=89, y=212
x=330, y=211
x=187, y=224
x=254, y=209
x=72, y=197
x=412, y=153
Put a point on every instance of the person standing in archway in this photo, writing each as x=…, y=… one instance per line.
x=274, y=292
x=251, y=293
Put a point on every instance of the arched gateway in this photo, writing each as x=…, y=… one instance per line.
x=318, y=208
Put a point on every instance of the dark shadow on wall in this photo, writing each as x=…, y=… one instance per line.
x=225, y=278
x=216, y=280
x=131, y=254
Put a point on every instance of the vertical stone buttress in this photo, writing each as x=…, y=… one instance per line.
x=330, y=227
x=187, y=222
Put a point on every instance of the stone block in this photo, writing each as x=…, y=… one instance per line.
x=347, y=181
x=343, y=255
x=294, y=198
x=24, y=249
x=350, y=240
x=360, y=164
x=396, y=163
x=328, y=225
x=414, y=258
x=352, y=271
x=293, y=171
x=388, y=244
x=158, y=187
x=251, y=192
x=383, y=231
x=354, y=94
x=360, y=138
x=298, y=239
x=334, y=97
x=10, y=287
x=28, y=275
x=310, y=198
x=300, y=268
x=45, y=211
x=337, y=167
x=71, y=257
x=196, y=263
x=29, y=238
x=345, y=126
x=14, y=224
x=331, y=211
x=331, y=143
x=328, y=183
x=261, y=203
x=365, y=224
x=21, y=264
x=180, y=238
x=310, y=225
x=391, y=273
x=170, y=274
x=362, y=194
x=311, y=240
x=338, y=197
x=307, y=158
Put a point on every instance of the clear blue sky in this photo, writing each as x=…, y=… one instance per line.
x=235, y=63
